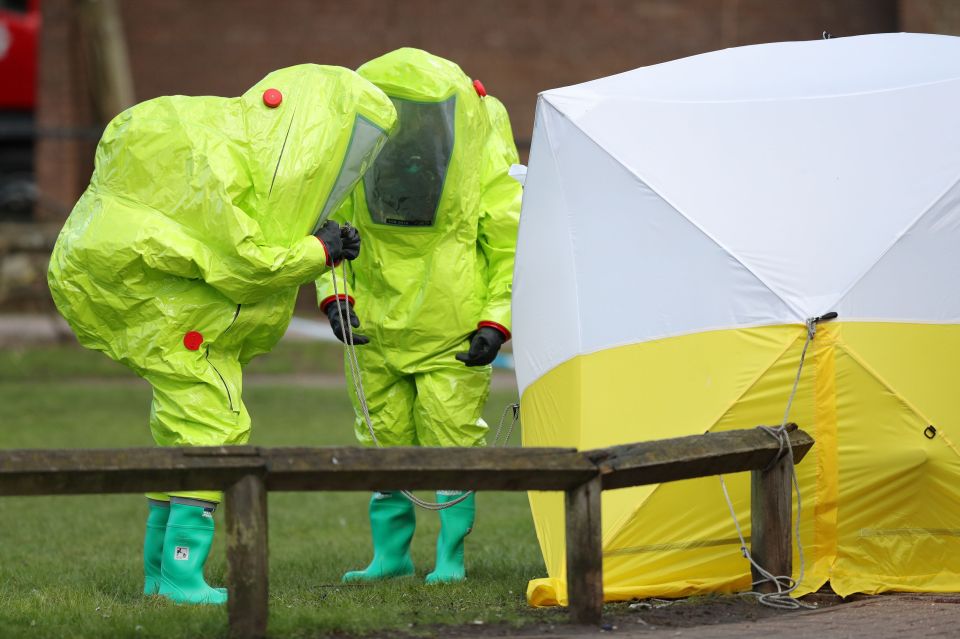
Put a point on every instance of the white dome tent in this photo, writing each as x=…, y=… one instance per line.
x=680, y=224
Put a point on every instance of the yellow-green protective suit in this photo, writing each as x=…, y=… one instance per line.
x=183, y=257
x=438, y=214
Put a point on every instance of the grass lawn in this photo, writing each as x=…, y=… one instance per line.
x=70, y=361
x=71, y=566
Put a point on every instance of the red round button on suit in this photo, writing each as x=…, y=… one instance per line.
x=193, y=340
x=272, y=98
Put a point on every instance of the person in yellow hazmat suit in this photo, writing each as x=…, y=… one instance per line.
x=438, y=212
x=183, y=257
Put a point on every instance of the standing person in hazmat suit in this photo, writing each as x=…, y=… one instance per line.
x=438, y=212
x=183, y=257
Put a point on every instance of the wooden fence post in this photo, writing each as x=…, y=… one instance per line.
x=770, y=522
x=584, y=553
x=246, y=515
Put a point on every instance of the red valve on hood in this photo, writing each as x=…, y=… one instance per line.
x=272, y=98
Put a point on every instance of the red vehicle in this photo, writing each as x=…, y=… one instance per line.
x=19, y=38
x=19, y=27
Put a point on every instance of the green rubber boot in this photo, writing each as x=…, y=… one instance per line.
x=185, y=550
x=392, y=522
x=157, y=515
x=456, y=523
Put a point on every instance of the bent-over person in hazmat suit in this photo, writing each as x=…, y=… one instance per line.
x=438, y=213
x=183, y=257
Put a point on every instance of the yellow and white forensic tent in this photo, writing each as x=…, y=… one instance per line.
x=680, y=224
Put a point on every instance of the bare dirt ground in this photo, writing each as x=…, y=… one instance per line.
x=881, y=617
x=890, y=616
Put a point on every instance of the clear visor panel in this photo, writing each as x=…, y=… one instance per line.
x=366, y=141
x=405, y=183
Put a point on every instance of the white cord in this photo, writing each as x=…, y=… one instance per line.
x=786, y=585
x=355, y=374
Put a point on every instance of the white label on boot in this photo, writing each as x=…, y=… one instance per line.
x=182, y=553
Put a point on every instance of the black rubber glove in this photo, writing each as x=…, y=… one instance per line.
x=329, y=235
x=350, y=237
x=485, y=343
x=334, y=316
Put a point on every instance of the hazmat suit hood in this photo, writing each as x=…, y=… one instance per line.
x=405, y=186
x=199, y=206
x=438, y=213
x=277, y=163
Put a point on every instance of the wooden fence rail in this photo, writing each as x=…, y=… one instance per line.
x=246, y=473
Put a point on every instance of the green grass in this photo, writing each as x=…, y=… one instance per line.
x=66, y=361
x=71, y=566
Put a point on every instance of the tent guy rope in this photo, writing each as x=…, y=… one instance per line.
x=785, y=583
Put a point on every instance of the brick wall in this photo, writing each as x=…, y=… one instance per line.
x=516, y=48
x=930, y=16
x=221, y=47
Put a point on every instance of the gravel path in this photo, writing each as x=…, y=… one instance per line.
x=893, y=616
x=890, y=617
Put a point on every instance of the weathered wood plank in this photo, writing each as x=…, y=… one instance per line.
x=770, y=522
x=73, y=472
x=45, y=460
x=351, y=468
x=43, y=472
x=247, y=581
x=667, y=460
x=584, y=553
x=104, y=471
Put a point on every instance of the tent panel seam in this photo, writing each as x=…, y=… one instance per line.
x=796, y=98
x=800, y=314
x=953, y=185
